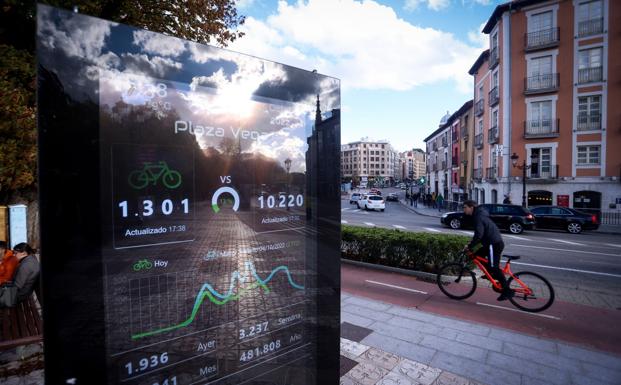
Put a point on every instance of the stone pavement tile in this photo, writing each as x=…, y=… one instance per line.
x=355, y=319
x=352, y=348
x=585, y=355
x=396, y=332
x=524, y=340
x=577, y=379
x=353, y=332
x=528, y=368
x=380, y=358
x=367, y=303
x=415, y=325
x=376, y=315
x=544, y=358
x=347, y=381
x=346, y=364
x=601, y=373
x=366, y=373
x=448, y=378
x=419, y=373
x=480, y=341
x=454, y=347
x=395, y=379
x=413, y=314
x=400, y=347
x=476, y=370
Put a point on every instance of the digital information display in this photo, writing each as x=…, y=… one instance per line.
x=204, y=245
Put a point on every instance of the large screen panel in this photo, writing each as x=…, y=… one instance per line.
x=190, y=222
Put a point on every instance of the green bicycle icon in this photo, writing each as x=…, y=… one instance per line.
x=152, y=172
x=143, y=264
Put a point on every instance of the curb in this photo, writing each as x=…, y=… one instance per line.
x=414, y=273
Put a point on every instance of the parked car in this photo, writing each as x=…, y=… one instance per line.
x=514, y=218
x=392, y=197
x=375, y=191
x=355, y=197
x=369, y=201
x=556, y=217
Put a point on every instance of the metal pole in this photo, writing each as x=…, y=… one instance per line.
x=524, y=184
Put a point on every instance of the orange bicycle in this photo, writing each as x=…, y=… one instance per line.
x=533, y=293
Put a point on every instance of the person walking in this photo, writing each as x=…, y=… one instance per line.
x=433, y=200
x=487, y=234
x=26, y=276
x=8, y=264
x=440, y=201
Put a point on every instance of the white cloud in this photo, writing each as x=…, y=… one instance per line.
x=156, y=66
x=436, y=5
x=479, y=38
x=244, y=4
x=365, y=44
x=158, y=44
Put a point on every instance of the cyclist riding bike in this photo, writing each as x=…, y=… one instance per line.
x=487, y=234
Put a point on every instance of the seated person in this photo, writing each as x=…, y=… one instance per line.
x=8, y=263
x=25, y=278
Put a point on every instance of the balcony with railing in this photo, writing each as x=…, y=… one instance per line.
x=492, y=135
x=443, y=165
x=494, y=58
x=491, y=173
x=542, y=128
x=479, y=108
x=465, y=134
x=477, y=174
x=455, y=161
x=590, y=75
x=545, y=38
x=434, y=146
x=541, y=83
x=444, y=141
x=589, y=122
x=591, y=27
x=454, y=136
x=478, y=141
x=542, y=172
x=493, y=96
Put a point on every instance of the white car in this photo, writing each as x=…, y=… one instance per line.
x=371, y=202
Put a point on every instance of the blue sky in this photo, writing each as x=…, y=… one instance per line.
x=402, y=63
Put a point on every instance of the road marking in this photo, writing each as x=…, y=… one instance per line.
x=519, y=311
x=466, y=232
x=399, y=227
x=346, y=208
x=568, y=269
x=568, y=242
x=369, y=224
x=356, y=210
x=430, y=229
x=516, y=237
x=342, y=221
x=612, y=244
x=395, y=287
x=568, y=250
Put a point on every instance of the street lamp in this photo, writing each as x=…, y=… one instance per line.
x=514, y=160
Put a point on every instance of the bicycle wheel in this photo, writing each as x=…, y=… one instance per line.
x=533, y=294
x=456, y=281
x=138, y=179
x=172, y=179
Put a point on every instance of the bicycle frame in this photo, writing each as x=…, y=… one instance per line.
x=160, y=168
x=480, y=262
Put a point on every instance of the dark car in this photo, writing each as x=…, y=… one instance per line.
x=555, y=217
x=392, y=197
x=514, y=218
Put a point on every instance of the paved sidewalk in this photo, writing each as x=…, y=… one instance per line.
x=431, y=212
x=387, y=344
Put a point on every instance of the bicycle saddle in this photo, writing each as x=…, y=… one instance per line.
x=511, y=257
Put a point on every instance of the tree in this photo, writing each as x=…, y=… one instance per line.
x=204, y=21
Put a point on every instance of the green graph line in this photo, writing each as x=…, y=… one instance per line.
x=198, y=304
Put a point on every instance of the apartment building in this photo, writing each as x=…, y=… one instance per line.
x=543, y=94
x=438, y=152
x=369, y=161
x=414, y=164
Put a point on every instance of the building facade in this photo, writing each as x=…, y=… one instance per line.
x=368, y=162
x=414, y=164
x=543, y=94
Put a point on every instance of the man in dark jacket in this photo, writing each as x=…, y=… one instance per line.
x=487, y=234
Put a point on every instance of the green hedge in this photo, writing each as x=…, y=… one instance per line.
x=414, y=251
